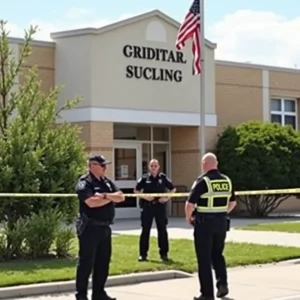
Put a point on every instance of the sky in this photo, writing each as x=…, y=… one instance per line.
x=253, y=31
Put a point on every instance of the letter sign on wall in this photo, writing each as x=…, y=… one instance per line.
x=151, y=73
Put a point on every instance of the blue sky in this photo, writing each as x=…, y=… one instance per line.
x=214, y=9
x=259, y=31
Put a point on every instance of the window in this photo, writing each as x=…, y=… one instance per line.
x=284, y=111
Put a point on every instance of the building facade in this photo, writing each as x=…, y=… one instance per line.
x=140, y=99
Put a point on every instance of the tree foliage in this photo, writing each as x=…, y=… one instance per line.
x=259, y=156
x=36, y=154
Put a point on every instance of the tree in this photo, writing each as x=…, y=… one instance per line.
x=36, y=155
x=259, y=156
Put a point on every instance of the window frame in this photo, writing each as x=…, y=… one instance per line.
x=284, y=113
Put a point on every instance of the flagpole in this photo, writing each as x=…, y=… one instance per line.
x=202, y=138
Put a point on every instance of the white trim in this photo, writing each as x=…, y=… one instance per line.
x=128, y=212
x=283, y=113
x=265, y=96
x=120, y=24
x=170, y=168
x=117, y=115
x=151, y=139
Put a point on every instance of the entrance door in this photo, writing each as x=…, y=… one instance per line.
x=127, y=170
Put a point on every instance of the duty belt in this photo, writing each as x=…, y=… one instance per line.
x=99, y=223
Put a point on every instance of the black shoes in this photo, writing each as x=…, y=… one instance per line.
x=106, y=297
x=142, y=258
x=204, y=298
x=222, y=291
x=164, y=258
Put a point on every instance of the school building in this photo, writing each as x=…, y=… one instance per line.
x=140, y=99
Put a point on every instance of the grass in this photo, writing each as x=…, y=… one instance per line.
x=290, y=227
x=124, y=260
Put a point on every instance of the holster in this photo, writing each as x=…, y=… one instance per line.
x=228, y=223
x=81, y=223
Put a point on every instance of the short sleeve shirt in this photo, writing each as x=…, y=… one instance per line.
x=86, y=187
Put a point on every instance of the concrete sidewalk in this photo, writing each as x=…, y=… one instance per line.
x=275, y=282
x=256, y=237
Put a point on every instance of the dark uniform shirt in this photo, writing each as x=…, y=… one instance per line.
x=151, y=185
x=200, y=187
x=86, y=187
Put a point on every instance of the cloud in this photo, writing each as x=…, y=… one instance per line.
x=257, y=37
x=244, y=36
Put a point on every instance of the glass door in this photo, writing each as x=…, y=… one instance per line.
x=127, y=170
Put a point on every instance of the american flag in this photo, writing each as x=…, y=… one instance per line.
x=190, y=29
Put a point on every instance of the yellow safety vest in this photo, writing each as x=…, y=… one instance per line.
x=217, y=188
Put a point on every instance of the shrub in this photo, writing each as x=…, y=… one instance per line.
x=259, y=156
x=64, y=241
x=41, y=231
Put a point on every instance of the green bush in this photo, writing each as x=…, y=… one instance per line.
x=64, y=241
x=12, y=241
x=259, y=156
x=41, y=231
x=41, y=235
x=15, y=239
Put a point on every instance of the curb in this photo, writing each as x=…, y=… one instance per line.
x=69, y=286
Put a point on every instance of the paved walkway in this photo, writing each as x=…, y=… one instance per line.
x=260, y=283
x=179, y=229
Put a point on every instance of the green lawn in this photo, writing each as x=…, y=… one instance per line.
x=124, y=260
x=291, y=227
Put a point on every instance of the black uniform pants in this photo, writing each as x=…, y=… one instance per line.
x=209, y=238
x=94, y=256
x=148, y=213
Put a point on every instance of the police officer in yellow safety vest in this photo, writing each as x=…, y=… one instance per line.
x=210, y=200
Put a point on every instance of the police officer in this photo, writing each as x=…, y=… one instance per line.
x=97, y=195
x=213, y=196
x=154, y=208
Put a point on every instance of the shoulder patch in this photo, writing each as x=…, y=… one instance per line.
x=81, y=185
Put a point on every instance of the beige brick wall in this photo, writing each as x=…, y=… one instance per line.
x=98, y=138
x=185, y=159
x=238, y=95
x=43, y=58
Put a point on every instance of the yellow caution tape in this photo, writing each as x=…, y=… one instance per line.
x=169, y=195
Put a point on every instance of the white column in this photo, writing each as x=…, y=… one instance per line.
x=265, y=96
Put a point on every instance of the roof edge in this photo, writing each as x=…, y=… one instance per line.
x=255, y=66
x=118, y=24
x=14, y=40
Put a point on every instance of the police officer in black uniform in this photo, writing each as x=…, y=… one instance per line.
x=213, y=196
x=97, y=195
x=154, y=208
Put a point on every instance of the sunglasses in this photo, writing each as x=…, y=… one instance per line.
x=95, y=164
